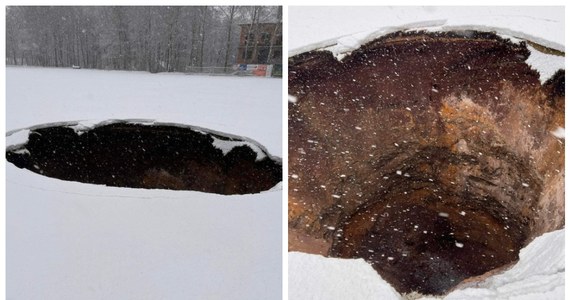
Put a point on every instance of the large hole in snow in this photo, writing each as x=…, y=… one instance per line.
x=148, y=156
x=430, y=155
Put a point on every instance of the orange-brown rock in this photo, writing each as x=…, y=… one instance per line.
x=430, y=155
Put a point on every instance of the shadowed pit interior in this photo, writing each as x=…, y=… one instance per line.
x=147, y=156
x=429, y=155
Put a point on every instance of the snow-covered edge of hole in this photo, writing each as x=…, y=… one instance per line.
x=351, y=42
x=227, y=146
x=545, y=64
x=18, y=137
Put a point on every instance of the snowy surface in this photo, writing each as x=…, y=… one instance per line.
x=69, y=240
x=17, y=138
x=538, y=275
x=335, y=278
x=317, y=27
x=546, y=64
x=243, y=106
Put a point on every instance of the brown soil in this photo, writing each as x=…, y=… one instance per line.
x=427, y=154
x=144, y=156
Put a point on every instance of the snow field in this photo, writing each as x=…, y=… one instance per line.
x=243, y=106
x=69, y=240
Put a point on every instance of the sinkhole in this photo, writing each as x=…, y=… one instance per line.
x=431, y=155
x=151, y=156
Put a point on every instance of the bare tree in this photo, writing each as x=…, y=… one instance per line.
x=151, y=38
x=13, y=26
x=276, y=36
x=230, y=15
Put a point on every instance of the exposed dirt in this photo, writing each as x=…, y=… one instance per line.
x=145, y=156
x=430, y=155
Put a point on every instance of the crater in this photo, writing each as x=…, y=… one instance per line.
x=431, y=155
x=151, y=156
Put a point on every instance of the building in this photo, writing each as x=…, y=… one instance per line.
x=260, y=43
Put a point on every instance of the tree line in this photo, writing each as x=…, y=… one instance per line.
x=145, y=38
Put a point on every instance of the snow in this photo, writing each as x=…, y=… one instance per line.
x=69, y=240
x=81, y=241
x=540, y=25
x=83, y=126
x=545, y=64
x=22, y=151
x=243, y=106
x=334, y=278
x=559, y=133
x=227, y=146
x=316, y=27
x=18, y=137
x=538, y=274
x=292, y=99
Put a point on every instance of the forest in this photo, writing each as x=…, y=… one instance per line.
x=143, y=38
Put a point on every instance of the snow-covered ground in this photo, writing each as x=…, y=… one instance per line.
x=314, y=27
x=69, y=240
x=244, y=106
x=540, y=272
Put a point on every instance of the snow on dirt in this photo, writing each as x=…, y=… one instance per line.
x=227, y=146
x=540, y=272
x=69, y=240
x=318, y=30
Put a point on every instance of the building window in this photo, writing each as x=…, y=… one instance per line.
x=249, y=53
x=250, y=38
x=279, y=40
x=276, y=54
x=265, y=39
